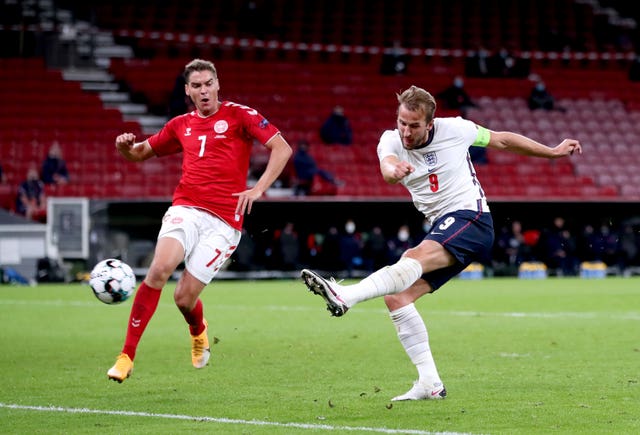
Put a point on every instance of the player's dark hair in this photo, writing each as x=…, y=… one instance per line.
x=198, y=65
x=417, y=99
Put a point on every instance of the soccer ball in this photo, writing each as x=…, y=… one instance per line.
x=112, y=281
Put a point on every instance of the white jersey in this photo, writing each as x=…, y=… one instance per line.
x=444, y=179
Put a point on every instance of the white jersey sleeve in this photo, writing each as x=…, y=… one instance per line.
x=444, y=179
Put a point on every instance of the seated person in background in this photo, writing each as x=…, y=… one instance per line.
x=54, y=167
x=478, y=63
x=337, y=128
x=394, y=60
x=306, y=169
x=30, y=201
x=455, y=97
x=541, y=98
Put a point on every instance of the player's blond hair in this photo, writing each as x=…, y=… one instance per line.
x=198, y=65
x=418, y=100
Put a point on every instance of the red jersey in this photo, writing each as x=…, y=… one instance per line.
x=216, y=152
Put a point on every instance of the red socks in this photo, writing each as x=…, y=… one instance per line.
x=144, y=305
x=195, y=319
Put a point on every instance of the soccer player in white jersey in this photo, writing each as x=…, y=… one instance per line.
x=202, y=226
x=430, y=157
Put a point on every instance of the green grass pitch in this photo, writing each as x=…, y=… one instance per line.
x=558, y=356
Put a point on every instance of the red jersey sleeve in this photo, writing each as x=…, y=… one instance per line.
x=256, y=126
x=166, y=141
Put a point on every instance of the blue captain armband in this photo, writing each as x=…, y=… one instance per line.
x=482, y=139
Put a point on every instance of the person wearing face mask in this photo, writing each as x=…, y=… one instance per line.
x=455, y=97
x=429, y=156
x=351, y=246
x=541, y=98
x=400, y=243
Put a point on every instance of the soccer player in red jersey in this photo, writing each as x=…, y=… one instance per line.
x=202, y=227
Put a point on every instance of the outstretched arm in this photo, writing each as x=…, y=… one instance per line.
x=132, y=151
x=519, y=144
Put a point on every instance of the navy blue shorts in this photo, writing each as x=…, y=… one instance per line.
x=468, y=235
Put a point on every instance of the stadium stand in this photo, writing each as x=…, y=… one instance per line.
x=595, y=113
x=524, y=25
x=40, y=107
x=321, y=53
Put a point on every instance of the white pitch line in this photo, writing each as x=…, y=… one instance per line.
x=224, y=420
x=364, y=310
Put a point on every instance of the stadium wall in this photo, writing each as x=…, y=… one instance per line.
x=140, y=221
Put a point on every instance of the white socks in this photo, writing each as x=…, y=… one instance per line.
x=386, y=281
x=413, y=335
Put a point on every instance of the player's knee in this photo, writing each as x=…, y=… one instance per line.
x=183, y=301
x=431, y=255
x=395, y=301
x=158, y=275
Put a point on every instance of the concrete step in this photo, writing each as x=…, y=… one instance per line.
x=99, y=86
x=87, y=75
x=131, y=109
x=114, y=97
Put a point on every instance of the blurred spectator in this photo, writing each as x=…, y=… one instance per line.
x=559, y=249
x=395, y=60
x=477, y=65
x=510, y=249
x=306, y=169
x=30, y=200
x=502, y=64
x=532, y=240
x=329, y=258
x=311, y=255
x=54, y=167
x=541, y=98
x=588, y=244
x=351, y=248
x=288, y=247
x=607, y=245
x=336, y=129
x=243, y=256
x=400, y=243
x=455, y=97
x=375, y=252
x=629, y=242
